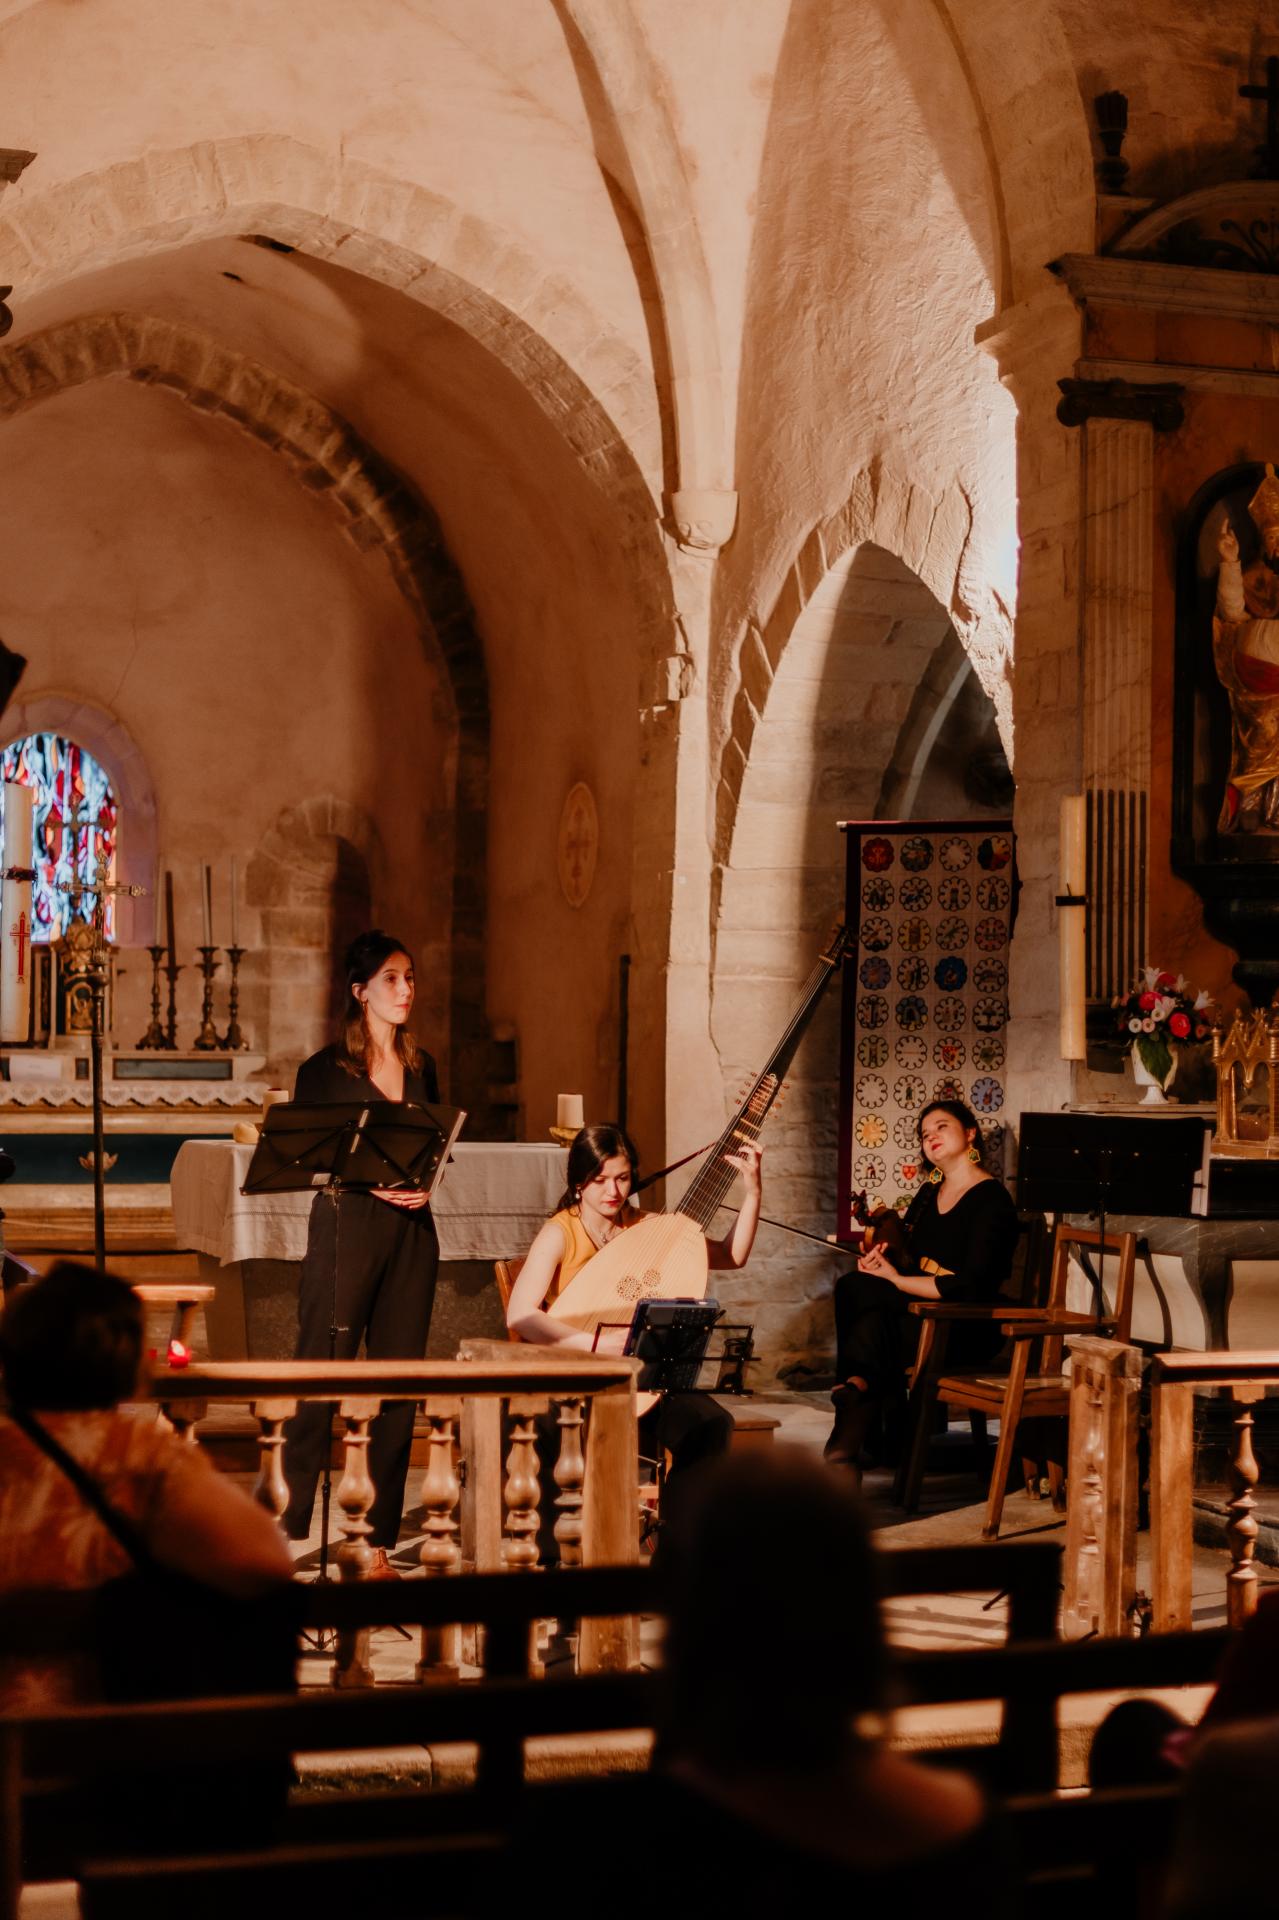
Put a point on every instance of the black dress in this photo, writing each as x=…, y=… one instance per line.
x=383, y=1263
x=973, y=1244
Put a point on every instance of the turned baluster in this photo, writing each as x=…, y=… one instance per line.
x=1089, y=1573
x=183, y=1416
x=522, y=1493
x=271, y=1489
x=1241, y=1530
x=522, y=1496
x=570, y=1471
x=354, y=1496
x=440, y=1552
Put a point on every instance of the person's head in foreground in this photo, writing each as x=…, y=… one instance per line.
x=71, y=1342
x=774, y=1645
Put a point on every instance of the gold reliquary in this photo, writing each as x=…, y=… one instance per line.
x=1246, y=1058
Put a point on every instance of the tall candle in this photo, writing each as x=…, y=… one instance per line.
x=206, y=901
x=1072, y=925
x=235, y=908
x=169, y=919
x=157, y=904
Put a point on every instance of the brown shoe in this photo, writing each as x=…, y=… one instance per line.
x=381, y=1568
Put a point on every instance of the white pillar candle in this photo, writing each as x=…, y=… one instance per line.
x=569, y=1111
x=206, y=901
x=15, y=915
x=235, y=908
x=1072, y=925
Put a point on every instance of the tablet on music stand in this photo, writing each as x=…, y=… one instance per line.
x=355, y=1144
x=671, y=1337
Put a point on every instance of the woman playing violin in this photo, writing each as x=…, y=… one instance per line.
x=961, y=1231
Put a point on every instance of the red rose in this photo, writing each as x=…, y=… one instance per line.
x=1166, y=982
x=1146, y=1001
x=1179, y=1025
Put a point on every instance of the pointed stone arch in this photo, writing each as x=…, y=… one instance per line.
x=596, y=391
x=377, y=510
x=929, y=536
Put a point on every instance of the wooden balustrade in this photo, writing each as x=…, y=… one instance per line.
x=477, y=1517
x=1174, y=1377
x=1101, y=1518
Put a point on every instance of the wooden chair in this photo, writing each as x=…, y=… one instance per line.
x=1014, y=1393
x=507, y=1272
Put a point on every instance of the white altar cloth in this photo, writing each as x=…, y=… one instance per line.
x=493, y=1198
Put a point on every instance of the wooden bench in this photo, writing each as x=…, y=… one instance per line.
x=364, y=1843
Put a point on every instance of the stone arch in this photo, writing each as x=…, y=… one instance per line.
x=377, y=510
x=839, y=715
x=930, y=537
x=111, y=743
x=591, y=384
x=1024, y=85
x=647, y=150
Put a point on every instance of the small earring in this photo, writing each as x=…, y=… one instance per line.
x=974, y=1156
x=934, y=1176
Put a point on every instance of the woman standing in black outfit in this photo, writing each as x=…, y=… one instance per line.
x=386, y=1250
x=962, y=1231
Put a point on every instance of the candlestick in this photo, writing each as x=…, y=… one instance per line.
x=169, y=934
x=207, y=1038
x=171, y=972
x=233, y=1039
x=235, y=910
x=1072, y=917
x=155, y=1034
x=206, y=903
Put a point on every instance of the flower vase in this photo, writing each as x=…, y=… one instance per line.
x=1156, y=1094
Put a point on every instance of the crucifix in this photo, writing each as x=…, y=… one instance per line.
x=1267, y=167
x=99, y=974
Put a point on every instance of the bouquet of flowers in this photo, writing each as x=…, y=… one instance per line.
x=1159, y=1015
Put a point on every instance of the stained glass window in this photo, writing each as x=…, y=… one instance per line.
x=63, y=774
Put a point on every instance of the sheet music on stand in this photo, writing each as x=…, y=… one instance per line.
x=355, y=1145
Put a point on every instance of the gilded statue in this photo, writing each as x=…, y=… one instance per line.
x=1245, y=640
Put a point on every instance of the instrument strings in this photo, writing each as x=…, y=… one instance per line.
x=709, y=1188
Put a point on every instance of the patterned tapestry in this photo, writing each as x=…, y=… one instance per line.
x=925, y=994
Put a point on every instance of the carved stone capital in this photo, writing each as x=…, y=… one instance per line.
x=702, y=518
x=1159, y=405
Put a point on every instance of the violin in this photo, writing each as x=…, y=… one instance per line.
x=882, y=1227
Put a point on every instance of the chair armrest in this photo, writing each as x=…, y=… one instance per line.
x=1064, y=1322
x=961, y=1310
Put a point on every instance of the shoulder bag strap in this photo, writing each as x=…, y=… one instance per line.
x=87, y=1487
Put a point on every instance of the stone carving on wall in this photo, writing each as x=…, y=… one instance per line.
x=578, y=845
x=1245, y=635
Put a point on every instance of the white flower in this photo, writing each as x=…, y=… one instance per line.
x=1147, y=1026
x=1203, y=1000
x=1150, y=975
x=1162, y=1009
x=1182, y=983
x=1134, y=1026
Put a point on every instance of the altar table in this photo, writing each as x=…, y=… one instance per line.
x=493, y=1198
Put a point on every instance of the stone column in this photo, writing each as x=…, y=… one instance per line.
x=1033, y=343
x=1118, y=424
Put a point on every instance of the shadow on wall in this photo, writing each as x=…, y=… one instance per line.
x=312, y=881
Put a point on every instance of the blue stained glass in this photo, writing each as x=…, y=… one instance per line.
x=61, y=773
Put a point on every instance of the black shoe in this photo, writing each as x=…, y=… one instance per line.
x=853, y=1409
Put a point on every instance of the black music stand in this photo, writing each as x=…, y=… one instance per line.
x=671, y=1337
x=350, y=1146
x=1095, y=1164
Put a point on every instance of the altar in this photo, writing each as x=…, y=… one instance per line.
x=490, y=1203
